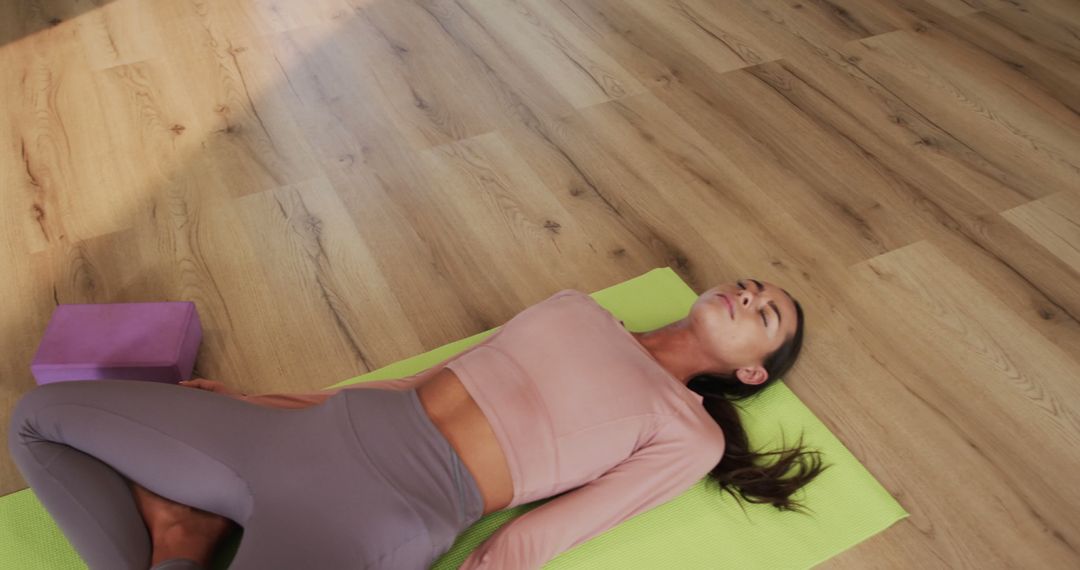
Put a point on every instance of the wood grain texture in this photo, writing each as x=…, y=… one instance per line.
x=342, y=184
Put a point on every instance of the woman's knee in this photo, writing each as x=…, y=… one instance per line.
x=25, y=407
x=23, y=427
x=42, y=397
x=25, y=422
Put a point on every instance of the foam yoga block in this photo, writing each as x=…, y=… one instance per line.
x=119, y=341
x=702, y=529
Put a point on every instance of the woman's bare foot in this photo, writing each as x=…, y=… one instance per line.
x=178, y=530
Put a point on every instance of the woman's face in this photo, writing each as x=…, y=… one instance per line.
x=740, y=323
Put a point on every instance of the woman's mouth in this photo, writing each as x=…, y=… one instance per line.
x=731, y=308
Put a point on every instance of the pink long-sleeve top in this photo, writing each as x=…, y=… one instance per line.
x=579, y=407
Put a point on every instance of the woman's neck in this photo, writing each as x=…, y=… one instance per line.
x=676, y=348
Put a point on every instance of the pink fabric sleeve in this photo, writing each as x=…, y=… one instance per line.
x=306, y=399
x=673, y=461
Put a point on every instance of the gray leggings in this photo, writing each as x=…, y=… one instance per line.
x=362, y=480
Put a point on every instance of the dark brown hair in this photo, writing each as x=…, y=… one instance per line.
x=739, y=467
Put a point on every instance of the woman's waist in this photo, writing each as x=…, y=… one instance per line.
x=462, y=423
x=515, y=416
x=396, y=435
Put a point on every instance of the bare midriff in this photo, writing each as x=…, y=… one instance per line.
x=464, y=425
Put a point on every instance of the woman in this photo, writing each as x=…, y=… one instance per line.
x=561, y=400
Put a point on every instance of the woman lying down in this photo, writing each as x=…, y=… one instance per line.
x=561, y=401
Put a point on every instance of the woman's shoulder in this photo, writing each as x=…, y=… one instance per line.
x=563, y=295
x=568, y=293
x=573, y=296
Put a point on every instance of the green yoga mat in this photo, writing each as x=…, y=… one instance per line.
x=701, y=529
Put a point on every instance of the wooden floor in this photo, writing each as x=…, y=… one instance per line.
x=340, y=184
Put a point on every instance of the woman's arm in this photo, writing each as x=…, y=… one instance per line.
x=306, y=399
x=268, y=400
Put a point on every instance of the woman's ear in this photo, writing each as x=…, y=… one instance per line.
x=752, y=375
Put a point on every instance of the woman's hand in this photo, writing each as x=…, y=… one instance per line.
x=211, y=386
x=285, y=401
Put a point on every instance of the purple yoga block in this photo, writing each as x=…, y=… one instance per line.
x=119, y=341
